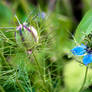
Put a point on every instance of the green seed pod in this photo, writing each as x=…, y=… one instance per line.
x=26, y=36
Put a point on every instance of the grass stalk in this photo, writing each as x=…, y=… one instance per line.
x=4, y=62
x=39, y=68
x=1, y=89
x=20, y=86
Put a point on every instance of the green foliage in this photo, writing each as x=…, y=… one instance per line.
x=84, y=27
x=76, y=72
x=46, y=66
x=6, y=16
x=87, y=5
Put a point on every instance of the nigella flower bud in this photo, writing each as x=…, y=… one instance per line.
x=35, y=33
x=19, y=27
x=26, y=36
x=31, y=30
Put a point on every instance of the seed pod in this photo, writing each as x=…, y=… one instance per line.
x=26, y=36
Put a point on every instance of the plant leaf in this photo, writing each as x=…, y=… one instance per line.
x=85, y=27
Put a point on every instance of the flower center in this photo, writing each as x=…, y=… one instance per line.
x=89, y=50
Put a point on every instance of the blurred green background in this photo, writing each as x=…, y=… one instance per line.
x=51, y=67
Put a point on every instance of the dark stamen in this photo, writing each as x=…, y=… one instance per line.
x=89, y=50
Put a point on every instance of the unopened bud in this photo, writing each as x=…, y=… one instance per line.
x=26, y=35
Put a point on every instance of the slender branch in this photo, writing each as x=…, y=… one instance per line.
x=29, y=15
x=7, y=27
x=17, y=19
x=79, y=62
x=82, y=63
x=20, y=86
x=3, y=59
x=84, y=79
x=1, y=89
x=44, y=83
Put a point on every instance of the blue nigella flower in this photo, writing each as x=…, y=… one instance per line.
x=85, y=51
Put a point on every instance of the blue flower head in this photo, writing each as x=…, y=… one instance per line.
x=82, y=50
x=79, y=50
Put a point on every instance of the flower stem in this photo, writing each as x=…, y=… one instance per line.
x=1, y=89
x=39, y=68
x=4, y=62
x=84, y=79
x=20, y=86
x=7, y=27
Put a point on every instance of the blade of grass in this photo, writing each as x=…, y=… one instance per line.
x=20, y=86
x=4, y=63
x=44, y=83
x=1, y=89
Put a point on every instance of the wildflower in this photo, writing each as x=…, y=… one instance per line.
x=85, y=51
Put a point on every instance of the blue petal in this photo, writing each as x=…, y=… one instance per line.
x=82, y=45
x=79, y=50
x=87, y=59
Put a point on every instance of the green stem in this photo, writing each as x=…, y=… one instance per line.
x=40, y=72
x=84, y=79
x=20, y=86
x=1, y=89
x=4, y=63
